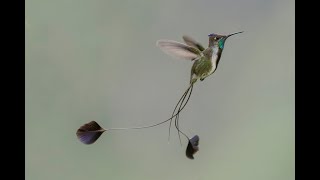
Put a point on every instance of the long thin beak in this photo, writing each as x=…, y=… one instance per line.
x=234, y=33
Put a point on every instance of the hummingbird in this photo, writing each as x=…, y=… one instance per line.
x=205, y=63
x=205, y=60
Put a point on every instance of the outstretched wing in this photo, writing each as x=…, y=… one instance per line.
x=191, y=42
x=178, y=50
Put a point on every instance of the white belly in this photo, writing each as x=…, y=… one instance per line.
x=214, y=59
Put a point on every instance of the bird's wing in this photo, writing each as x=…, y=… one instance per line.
x=191, y=42
x=179, y=50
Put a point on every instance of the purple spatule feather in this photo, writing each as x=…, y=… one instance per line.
x=90, y=132
x=192, y=147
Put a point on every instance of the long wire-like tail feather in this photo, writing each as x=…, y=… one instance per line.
x=177, y=114
x=177, y=117
x=90, y=132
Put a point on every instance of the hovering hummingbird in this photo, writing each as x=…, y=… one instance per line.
x=205, y=63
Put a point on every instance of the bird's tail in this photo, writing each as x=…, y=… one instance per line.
x=181, y=103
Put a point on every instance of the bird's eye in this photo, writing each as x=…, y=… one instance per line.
x=215, y=38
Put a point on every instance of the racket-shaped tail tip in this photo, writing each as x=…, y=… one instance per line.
x=89, y=132
x=192, y=147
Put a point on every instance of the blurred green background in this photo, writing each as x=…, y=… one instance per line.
x=97, y=60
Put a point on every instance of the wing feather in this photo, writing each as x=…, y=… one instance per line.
x=178, y=50
x=193, y=43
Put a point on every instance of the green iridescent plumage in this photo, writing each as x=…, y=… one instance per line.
x=201, y=68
